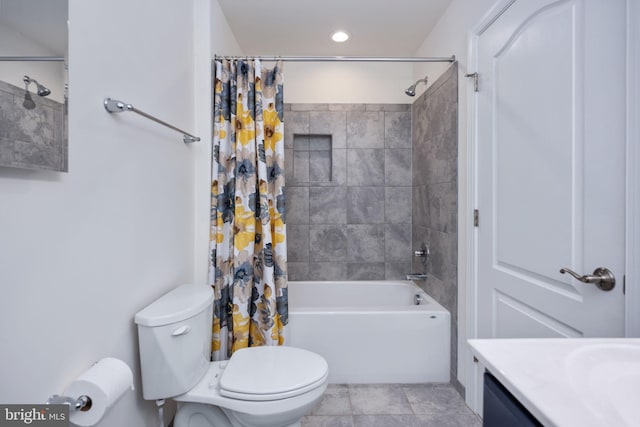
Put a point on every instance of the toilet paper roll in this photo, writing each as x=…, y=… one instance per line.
x=105, y=382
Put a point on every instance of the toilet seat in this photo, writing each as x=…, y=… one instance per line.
x=272, y=373
x=210, y=392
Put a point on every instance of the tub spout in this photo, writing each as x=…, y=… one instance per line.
x=417, y=276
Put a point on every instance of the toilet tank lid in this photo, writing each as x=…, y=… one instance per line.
x=176, y=305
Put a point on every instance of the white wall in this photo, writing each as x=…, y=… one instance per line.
x=347, y=82
x=49, y=74
x=449, y=37
x=81, y=253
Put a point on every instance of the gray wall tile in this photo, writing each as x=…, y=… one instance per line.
x=365, y=205
x=7, y=115
x=365, y=129
x=41, y=134
x=300, y=167
x=30, y=155
x=397, y=205
x=443, y=255
x=347, y=107
x=397, y=166
x=332, y=123
x=34, y=136
x=327, y=242
x=339, y=167
x=388, y=107
x=397, y=270
x=327, y=271
x=298, y=242
x=7, y=150
x=297, y=270
x=366, y=271
x=328, y=205
x=435, y=191
x=295, y=122
x=439, y=203
x=320, y=166
x=301, y=142
x=297, y=205
x=365, y=167
x=397, y=129
x=320, y=142
x=419, y=207
x=288, y=170
x=397, y=242
x=365, y=242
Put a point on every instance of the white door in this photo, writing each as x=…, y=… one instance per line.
x=551, y=175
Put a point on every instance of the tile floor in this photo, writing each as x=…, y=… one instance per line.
x=391, y=405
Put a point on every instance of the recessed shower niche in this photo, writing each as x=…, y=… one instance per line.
x=312, y=159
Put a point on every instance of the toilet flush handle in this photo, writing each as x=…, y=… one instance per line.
x=182, y=330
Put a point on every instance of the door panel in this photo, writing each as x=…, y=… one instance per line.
x=513, y=316
x=551, y=141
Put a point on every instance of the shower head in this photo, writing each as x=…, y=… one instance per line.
x=42, y=91
x=411, y=90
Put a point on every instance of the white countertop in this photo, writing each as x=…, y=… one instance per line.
x=569, y=382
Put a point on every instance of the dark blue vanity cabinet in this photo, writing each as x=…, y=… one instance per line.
x=501, y=409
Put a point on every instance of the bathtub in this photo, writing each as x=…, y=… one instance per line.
x=371, y=331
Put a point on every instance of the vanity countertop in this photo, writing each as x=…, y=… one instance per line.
x=568, y=382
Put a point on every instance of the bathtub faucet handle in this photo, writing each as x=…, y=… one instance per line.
x=423, y=252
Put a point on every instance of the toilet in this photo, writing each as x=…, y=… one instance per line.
x=272, y=386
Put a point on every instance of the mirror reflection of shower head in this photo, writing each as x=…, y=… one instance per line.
x=42, y=91
x=411, y=90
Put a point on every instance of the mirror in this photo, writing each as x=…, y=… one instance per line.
x=33, y=81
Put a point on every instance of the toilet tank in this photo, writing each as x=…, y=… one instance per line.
x=174, y=336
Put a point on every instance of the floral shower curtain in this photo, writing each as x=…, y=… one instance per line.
x=248, y=252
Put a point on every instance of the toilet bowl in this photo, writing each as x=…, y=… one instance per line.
x=272, y=386
x=260, y=386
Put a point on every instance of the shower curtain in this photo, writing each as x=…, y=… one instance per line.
x=248, y=252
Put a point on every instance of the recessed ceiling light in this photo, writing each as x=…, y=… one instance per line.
x=340, y=36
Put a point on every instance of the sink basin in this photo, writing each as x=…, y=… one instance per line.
x=607, y=376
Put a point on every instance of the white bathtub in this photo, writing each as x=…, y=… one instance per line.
x=371, y=331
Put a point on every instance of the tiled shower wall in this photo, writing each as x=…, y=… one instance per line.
x=348, y=175
x=435, y=193
x=33, y=132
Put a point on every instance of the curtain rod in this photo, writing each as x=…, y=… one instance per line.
x=32, y=58
x=451, y=58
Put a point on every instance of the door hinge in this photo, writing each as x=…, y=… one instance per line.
x=476, y=217
x=475, y=81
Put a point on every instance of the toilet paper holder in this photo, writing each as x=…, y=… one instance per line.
x=82, y=403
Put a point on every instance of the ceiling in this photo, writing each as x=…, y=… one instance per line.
x=276, y=27
x=42, y=21
x=303, y=27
